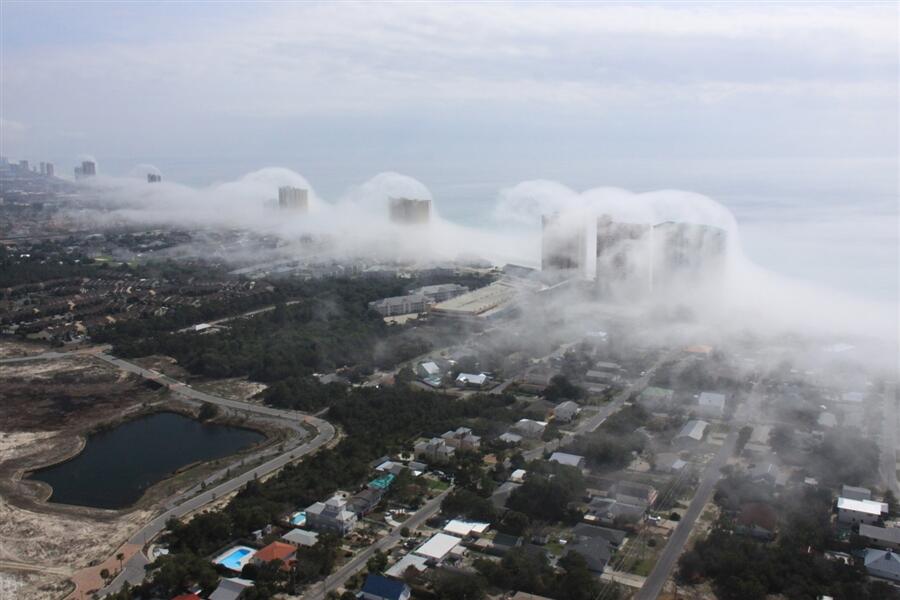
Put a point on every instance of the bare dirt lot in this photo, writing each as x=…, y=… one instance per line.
x=46, y=408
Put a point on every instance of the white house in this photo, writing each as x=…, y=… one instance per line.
x=860, y=511
x=711, y=404
x=572, y=460
x=331, y=516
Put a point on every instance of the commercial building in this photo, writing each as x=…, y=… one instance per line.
x=401, y=305
x=410, y=211
x=292, y=198
x=624, y=259
x=49, y=169
x=441, y=292
x=331, y=516
x=88, y=168
x=484, y=303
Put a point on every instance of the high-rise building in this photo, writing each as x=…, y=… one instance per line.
x=43, y=168
x=410, y=211
x=293, y=198
x=23, y=164
x=154, y=178
x=687, y=254
x=624, y=258
x=88, y=168
x=563, y=245
x=49, y=167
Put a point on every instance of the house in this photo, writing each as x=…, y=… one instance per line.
x=860, y=511
x=434, y=450
x=691, y=434
x=764, y=472
x=595, y=550
x=615, y=537
x=501, y=544
x=530, y=428
x=510, y=438
x=756, y=519
x=429, y=369
x=571, y=460
x=301, y=537
x=187, y=597
x=502, y=493
x=630, y=492
x=610, y=510
x=527, y=596
x=230, y=588
x=566, y=411
x=856, y=493
x=882, y=563
x=656, y=396
x=276, y=551
x=331, y=516
x=364, y=502
x=466, y=528
x=379, y=587
x=594, y=376
x=462, y=439
x=401, y=568
x=883, y=537
x=668, y=462
x=471, y=380
x=711, y=404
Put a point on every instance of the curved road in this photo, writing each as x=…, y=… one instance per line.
x=133, y=571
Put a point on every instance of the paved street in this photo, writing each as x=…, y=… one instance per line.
x=657, y=578
x=358, y=562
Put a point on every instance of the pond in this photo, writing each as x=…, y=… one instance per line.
x=117, y=466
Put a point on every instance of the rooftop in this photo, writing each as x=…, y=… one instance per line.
x=869, y=507
x=438, y=546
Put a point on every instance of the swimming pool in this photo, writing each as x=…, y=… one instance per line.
x=298, y=518
x=235, y=558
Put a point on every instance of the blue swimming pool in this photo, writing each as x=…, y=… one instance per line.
x=298, y=518
x=236, y=558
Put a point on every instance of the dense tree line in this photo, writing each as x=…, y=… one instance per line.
x=611, y=445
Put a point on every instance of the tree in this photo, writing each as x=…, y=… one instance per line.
x=104, y=574
x=377, y=562
x=208, y=412
x=456, y=586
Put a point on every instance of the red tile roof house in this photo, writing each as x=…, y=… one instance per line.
x=187, y=597
x=276, y=551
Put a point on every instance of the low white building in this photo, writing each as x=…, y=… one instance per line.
x=566, y=411
x=711, y=404
x=530, y=428
x=475, y=380
x=860, y=511
x=571, y=460
x=438, y=546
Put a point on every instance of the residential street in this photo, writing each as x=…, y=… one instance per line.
x=358, y=562
x=667, y=559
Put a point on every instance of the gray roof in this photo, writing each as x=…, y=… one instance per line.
x=693, y=429
x=856, y=493
x=614, y=536
x=596, y=552
x=712, y=399
x=572, y=460
x=883, y=562
x=889, y=535
x=230, y=589
x=301, y=537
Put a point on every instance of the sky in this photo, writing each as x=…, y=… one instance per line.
x=786, y=113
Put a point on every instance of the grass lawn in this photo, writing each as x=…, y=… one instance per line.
x=438, y=485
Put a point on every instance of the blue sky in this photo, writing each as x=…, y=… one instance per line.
x=786, y=113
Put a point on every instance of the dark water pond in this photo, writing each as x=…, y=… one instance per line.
x=117, y=466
